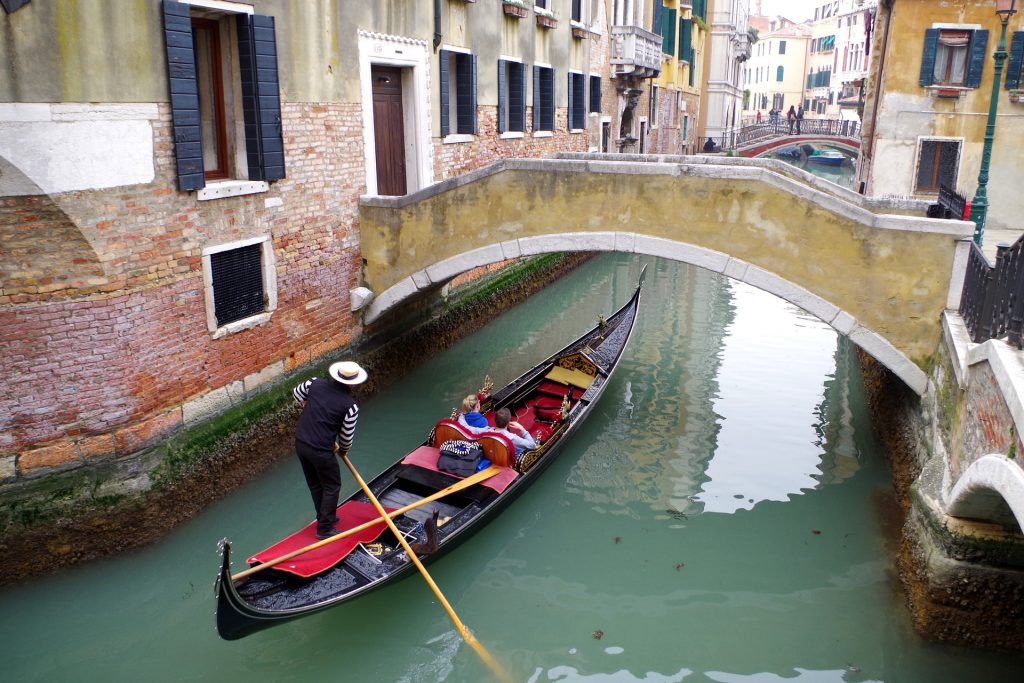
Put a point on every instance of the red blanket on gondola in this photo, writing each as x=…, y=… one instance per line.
x=351, y=514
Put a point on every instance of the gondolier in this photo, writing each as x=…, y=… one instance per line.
x=326, y=426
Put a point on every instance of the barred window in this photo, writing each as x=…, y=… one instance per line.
x=240, y=287
x=937, y=164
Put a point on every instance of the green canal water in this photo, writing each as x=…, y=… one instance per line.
x=721, y=517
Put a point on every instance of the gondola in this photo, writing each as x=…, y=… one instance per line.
x=435, y=510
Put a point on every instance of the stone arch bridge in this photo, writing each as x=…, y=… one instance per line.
x=869, y=268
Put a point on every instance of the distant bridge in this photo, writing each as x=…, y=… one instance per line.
x=758, y=138
x=880, y=278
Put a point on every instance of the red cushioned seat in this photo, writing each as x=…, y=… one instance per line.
x=548, y=414
x=555, y=389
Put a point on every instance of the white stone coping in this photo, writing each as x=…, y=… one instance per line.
x=628, y=242
x=971, y=496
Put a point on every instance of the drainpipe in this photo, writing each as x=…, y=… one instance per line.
x=437, y=24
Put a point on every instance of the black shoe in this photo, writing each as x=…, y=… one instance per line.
x=327, y=534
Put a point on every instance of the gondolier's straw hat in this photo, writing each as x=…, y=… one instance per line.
x=347, y=372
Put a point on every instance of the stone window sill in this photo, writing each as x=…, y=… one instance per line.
x=543, y=134
x=243, y=324
x=512, y=135
x=231, y=188
x=457, y=138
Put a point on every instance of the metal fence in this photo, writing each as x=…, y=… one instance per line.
x=952, y=205
x=992, y=303
x=767, y=130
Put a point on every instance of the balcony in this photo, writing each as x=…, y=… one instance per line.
x=635, y=52
x=741, y=46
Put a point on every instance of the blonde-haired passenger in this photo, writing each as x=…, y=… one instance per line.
x=471, y=417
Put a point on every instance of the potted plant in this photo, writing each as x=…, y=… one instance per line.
x=579, y=31
x=1016, y=96
x=515, y=8
x=545, y=17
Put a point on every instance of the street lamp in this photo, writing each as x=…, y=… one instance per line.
x=979, y=207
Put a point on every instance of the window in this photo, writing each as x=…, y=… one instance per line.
x=937, y=165
x=779, y=73
x=240, y=287
x=577, y=102
x=576, y=12
x=1016, y=62
x=595, y=94
x=653, y=106
x=458, y=92
x=225, y=111
x=782, y=47
x=511, y=96
x=543, y=98
x=953, y=57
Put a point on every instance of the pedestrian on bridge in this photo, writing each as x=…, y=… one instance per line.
x=791, y=118
x=799, y=118
x=759, y=116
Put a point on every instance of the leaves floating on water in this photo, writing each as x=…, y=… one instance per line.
x=598, y=634
x=678, y=514
x=816, y=532
x=618, y=539
x=680, y=566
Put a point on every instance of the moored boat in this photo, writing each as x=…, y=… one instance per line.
x=432, y=509
x=826, y=157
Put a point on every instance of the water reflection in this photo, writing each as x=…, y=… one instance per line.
x=782, y=460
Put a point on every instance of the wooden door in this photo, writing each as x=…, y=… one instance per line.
x=388, y=130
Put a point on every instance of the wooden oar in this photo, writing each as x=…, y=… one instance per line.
x=463, y=631
x=475, y=478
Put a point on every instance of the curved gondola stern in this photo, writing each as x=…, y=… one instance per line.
x=232, y=621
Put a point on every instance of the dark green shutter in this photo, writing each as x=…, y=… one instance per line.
x=668, y=32
x=537, y=98
x=442, y=57
x=686, y=40
x=656, y=17
x=976, y=58
x=184, y=92
x=571, y=117
x=595, y=93
x=261, y=97
x=502, y=79
x=931, y=46
x=1013, y=66
x=472, y=94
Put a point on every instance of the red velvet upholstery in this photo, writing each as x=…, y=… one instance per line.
x=555, y=389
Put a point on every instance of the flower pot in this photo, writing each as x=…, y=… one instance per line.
x=511, y=10
x=546, y=22
x=579, y=33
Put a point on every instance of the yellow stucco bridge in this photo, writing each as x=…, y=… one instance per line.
x=877, y=271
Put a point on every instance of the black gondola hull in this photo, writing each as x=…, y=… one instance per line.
x=239, y=616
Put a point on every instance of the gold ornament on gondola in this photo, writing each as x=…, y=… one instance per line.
x=488, y=385
x=602, y=321
x=565, y=406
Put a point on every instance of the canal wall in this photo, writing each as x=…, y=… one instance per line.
x=963, y=577
x=114, y=503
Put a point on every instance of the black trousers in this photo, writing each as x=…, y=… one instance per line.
x=323, y=477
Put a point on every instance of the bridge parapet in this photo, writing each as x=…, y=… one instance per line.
x=881, y=278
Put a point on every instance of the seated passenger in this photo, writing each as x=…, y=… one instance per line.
x=471, y=417
x=516, y=433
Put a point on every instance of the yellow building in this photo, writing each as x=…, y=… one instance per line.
x=929, y=90
x=675, y=93
x=776, y=72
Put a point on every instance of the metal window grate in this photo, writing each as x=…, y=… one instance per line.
x=237, y=283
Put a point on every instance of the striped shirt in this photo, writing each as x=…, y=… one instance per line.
x=329, y=416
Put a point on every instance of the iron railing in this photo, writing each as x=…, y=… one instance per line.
x=992, y=303
x=766, y=130
x=952, y=205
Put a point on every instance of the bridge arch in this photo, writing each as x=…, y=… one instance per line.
x=880, y=278
x=991, y=489
x=842, y=321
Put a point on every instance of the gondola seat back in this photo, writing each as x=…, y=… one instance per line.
x=497, y=447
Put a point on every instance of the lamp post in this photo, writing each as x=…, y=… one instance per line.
x=979, y=206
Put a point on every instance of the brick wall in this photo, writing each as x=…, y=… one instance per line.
x=985, y=425
x=103, y=324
